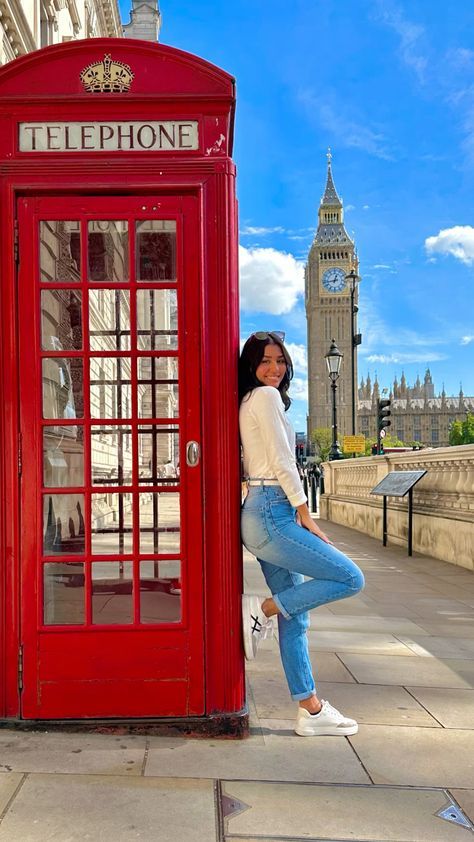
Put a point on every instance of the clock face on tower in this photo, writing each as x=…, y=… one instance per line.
x=334, y=280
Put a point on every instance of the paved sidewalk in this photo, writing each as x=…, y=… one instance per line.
x=399, y=657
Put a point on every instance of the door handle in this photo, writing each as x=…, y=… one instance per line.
x=193, y=453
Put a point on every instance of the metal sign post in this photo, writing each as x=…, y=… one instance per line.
x=398, y=484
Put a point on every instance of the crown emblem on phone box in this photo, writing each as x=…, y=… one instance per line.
x=107, y=76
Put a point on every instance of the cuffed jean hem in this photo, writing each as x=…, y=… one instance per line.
x=282, y=610
x=298, y=697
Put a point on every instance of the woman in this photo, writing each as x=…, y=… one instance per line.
x=278, y=529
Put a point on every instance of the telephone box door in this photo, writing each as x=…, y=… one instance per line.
x=111, y=555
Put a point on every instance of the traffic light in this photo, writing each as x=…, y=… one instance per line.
x=383, y=411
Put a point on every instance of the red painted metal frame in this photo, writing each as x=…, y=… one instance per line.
x=168, y=85
x=72, y=671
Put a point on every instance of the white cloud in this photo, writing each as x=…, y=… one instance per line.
x=299, y=356
x=466, y=340
x=416, y=357
x=381, y=266
x=410, y=35
x=365, y=207
x=461, y=58
x=352, y=131
x=253, y=230
x=270, y=280
x=457, y=241
x=349, y=208
x=379, y=339
x=299, y=389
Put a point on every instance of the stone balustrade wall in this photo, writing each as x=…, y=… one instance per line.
x=443, y=501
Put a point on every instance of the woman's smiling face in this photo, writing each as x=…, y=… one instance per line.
x=272, y=367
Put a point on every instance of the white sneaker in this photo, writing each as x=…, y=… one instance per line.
x=256, y=626
x=328, y=721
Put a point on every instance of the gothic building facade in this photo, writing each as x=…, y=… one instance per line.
x=418, y=414
x=329, y=312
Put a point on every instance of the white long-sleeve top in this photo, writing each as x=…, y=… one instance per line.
x=268, y=441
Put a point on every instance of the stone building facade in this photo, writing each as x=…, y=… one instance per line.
x=417, y=413
x=27, y=25
x=145, y=21
x=328, y=312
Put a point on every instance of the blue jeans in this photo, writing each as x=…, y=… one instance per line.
x=287, y=553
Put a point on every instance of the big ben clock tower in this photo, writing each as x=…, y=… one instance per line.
x=328, y=312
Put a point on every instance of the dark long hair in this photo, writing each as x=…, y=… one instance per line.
x=250, y=359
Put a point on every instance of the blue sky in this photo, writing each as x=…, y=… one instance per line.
x=389, y=86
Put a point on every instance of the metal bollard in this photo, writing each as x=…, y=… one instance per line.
x=314, y=497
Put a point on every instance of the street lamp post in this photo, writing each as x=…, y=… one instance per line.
x=356, y=338
x=333, y=361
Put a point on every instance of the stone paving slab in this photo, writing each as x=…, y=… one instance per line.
x=382, y=609
x=375, y=814
x=356, y=641
x=400, y=587
x=327, y=666
x=455, y=574
x=417, y=672
x=433, y=757
x=452, y=708
x=74, y=808
x=255, y=730
x=469, y=602
x=459, y=627
x=29, y=751
x=440, y=647
x=372, y=624
x=437, y=608
x=285, y=757
x=9, y=782
x=465, y=799
x=385, y=610
x=460, y=592
x=373, y=704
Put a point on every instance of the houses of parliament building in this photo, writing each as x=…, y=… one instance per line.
x=418, y=415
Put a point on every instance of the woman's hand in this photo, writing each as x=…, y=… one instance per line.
x=311, y=527
x=304, y=519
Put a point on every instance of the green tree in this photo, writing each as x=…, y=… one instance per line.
x=389, y=441
x=455, y=433
x=462, y=432
x=468, y=429
x=322, y=438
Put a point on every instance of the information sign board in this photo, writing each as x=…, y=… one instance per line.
x=353, y=444
x=398, y=483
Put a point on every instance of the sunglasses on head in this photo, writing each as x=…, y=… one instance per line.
x=269, y=334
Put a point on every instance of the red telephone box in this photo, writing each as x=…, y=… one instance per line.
x=121, y=559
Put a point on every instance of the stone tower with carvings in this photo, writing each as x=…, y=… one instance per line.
x=328, y=312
